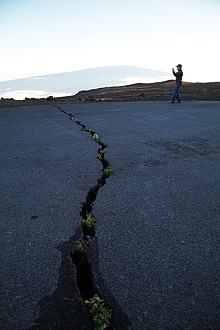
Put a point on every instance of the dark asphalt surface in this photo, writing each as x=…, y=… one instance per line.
x=156, y=253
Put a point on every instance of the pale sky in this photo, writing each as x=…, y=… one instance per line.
x=40, y=37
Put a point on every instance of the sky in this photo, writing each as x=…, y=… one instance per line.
x=40, y=37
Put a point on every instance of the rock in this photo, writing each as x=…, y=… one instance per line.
x=49, y=98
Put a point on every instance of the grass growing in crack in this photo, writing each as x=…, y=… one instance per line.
x=101, y=314
x=107, y=171
x=84, y=128
x=80, y=246
x=96, y=137
x=100, y=154
x=89, y=221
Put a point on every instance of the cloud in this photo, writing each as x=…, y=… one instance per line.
x=21, y=94
x=135, y=80
x=40, y=78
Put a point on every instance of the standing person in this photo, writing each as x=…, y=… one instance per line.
x=178, y=75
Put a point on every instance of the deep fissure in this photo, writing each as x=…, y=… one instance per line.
x=85, y=279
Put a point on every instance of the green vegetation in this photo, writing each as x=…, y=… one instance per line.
x=89, y=221
x=107, y=171
x=80, y=246
x=101, y=314
x=96, y=137
x=100, y=154
x=84, y=128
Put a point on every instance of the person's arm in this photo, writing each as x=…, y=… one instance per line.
x=177, y=74
x=174, y=73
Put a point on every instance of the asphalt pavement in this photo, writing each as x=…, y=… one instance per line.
x=155, y=255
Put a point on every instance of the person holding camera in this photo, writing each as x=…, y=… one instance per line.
x=176, y=91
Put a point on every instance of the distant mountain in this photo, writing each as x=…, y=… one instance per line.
x=69, y=83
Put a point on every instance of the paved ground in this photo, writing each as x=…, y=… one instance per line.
x=155, y=256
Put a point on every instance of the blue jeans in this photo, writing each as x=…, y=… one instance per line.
x=176, y=94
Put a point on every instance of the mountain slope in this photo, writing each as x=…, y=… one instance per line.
x=160, y=91
x=151, y=91
x=70, y=83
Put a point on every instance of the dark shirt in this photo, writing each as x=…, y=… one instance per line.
x=178, y=75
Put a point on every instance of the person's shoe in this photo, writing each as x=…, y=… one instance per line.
x=179, y=102
x=171, y=102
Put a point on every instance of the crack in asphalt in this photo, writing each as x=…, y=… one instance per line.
x=66, y=308
x=85, y=279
